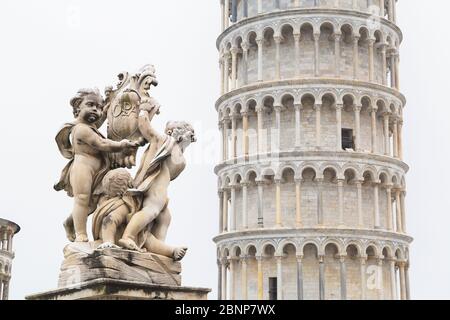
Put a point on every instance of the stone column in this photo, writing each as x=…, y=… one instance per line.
x=260, y=6
x=226, y=80
x=222, y=143
x=245, y=48
x=387, y=144
x=393, y=76
x=343, y=277
x=355, y=56
x=227, y=13
x=234, y=52
x=320, y=221
x=222, y=75
x=244, y=287
x=355, y=4
x=279, y=277
x=245, y=150
x=397, y=70
x=317, y=108
x=260, y=278
x=337, y=54
x=224, y=279
x=245, y=9
x=244, y=186
x=260, y=120
x=373, y=114
x=339, y=108
x=225, y=210
x=226, y=123
x=399, y=210
x=321, y=278
x=297, y=37
x=278, y=218
x=316, y=37
x=384, y=63
x=232, y=262
x=221, y=211
x=408, y=289
x=5, y=290
x=402, y=205
x=341, y=202
x=363, y=261
x=10, y=241
x=359, y=195
x=381, y=280
x=394, y=11
x=222, y=10
x=401, y=267
x=376, y=192
x=233, y=208
x=389, y=208
x=219, y=285
x=260, y=203
x=300, y=277
x=298, y=203
x=277, y=39
x=298, y=125
x=357, y=110
x=233, y=135
x=1, y=288
x=400, y=138
x=381, y=5
x=395, y=138
x=371, y=42
x=260, y=42
x=278, y=109
x=393, y=280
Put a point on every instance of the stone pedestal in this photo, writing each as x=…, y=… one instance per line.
x=91, y=274
x=109, y=289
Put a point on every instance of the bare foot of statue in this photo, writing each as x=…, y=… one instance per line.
x=130, y=245
x=82, y=238
x=179, y=253
x=70, y=230
x=108, y=245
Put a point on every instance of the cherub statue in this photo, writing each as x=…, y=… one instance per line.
x=116, y=207
x=87, y=150
x=162, y=162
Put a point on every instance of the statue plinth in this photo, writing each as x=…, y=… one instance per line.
x=117, y=274
x=109, y=289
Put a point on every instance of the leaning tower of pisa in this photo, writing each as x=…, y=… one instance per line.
x=7, y=231
x=312, y=178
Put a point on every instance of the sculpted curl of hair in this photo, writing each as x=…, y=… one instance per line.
x=117, y=182
x=81, y=94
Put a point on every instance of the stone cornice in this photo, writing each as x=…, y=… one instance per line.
x=313, y=156
x=9, y=225
x=308, y=82
x=308, y=233
x=310, y=11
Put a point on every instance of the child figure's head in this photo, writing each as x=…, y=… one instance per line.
x=87, y=105
x=182, y=132
x=117, y=182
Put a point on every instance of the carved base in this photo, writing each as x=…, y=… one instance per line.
x=84, y=263
x=108, y=289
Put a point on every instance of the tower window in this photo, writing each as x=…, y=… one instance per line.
x=348, y=141
x=273, y=288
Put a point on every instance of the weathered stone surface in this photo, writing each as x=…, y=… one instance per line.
x=84, y=263
x=109, y=289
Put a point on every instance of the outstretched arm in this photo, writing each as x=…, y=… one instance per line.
x=145, y=118
x=88, y=136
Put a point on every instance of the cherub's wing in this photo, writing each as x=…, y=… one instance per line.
x=63, y=141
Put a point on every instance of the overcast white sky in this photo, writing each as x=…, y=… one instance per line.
x=51, y=48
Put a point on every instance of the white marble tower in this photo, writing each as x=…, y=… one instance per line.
x=312, y=178
x=7, y=231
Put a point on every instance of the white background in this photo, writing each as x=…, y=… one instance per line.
x=51, y=48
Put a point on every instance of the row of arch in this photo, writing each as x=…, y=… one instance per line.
x=340, y=171
x=329, y=49
x=381, y=249
x=311, y=268
x=236, y=10
x=268, y=122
